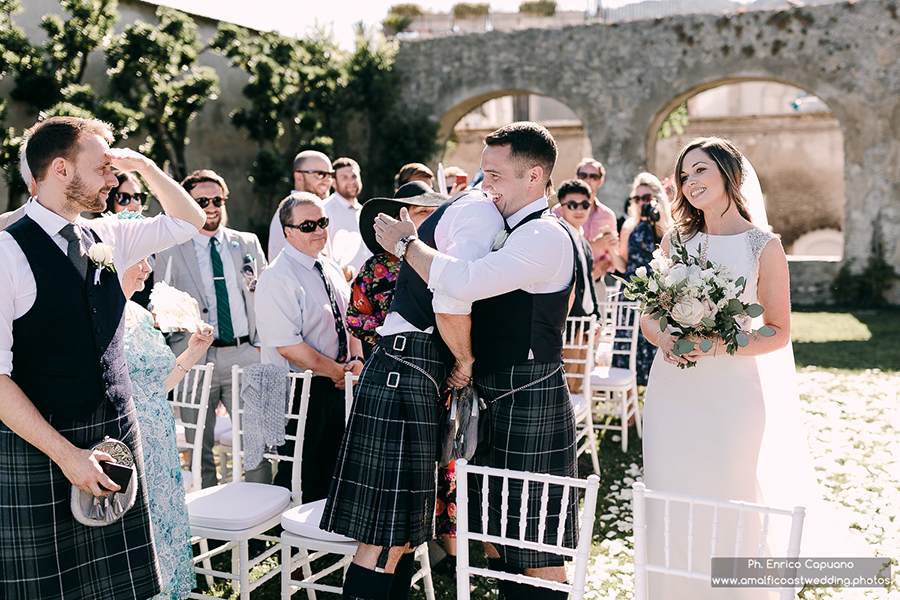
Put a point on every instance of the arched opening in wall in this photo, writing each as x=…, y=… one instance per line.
x=794, y=142
x=464, y=145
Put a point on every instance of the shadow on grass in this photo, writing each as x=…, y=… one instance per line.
x=880, y=351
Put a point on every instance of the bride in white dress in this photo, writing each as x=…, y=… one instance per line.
x=704, y=426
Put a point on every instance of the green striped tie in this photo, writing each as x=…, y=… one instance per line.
x=223, y=308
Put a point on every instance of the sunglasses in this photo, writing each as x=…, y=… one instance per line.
x=124, y=198
x=584, y=205
x=216, y=200
x=644, y=198
x=319, y=174
x=583, y=175
x=310, y=226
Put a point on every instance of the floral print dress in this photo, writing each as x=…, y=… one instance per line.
x=371, y=296
x=641, y=244
x=149, y=363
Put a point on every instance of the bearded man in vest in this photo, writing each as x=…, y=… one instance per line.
x=64, y=383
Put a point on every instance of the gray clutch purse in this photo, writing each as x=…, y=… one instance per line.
x=96, y=512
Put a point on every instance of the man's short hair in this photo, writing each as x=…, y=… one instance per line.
x=530, y=144
x=342, y=162
x=594, y=163
x=302, y=157
x=59, y=137
x=412, y=171
x=286, y=206
x=573, y=186
x=202, y=176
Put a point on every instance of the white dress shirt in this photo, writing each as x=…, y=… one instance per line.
x=292, y=306
x=345, y=245
x=239, y=323
x=466, y=232
x=536, y=258
x=276, y=237
x=132, y=240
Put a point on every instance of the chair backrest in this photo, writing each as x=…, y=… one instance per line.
x=723, y=511
x=578, y=351
x=192, y=394
x=623, y=335
x=532, y=485
x=298, y=414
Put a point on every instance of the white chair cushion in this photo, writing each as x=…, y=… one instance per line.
x=611, y=377
x=236, y=506
x=179, y=433
x=304, y=521
x=187, y=478
x=580, y=406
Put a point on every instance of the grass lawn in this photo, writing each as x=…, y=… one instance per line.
x=849, y=376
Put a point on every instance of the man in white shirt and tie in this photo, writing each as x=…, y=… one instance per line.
x=345, y=245
x=313, y=174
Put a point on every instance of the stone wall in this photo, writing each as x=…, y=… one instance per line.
x=623, y=79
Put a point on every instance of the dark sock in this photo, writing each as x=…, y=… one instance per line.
x=509, y=590
x=365, y=584
x=403, y=574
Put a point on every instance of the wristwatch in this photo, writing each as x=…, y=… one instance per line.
x=400, y=246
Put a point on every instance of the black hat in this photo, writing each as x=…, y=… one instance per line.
x=414, y=193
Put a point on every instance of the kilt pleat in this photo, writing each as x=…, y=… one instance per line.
x=532, y=429
x=384, y=484
x=46, y=554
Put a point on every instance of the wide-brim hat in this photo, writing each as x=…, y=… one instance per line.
x=414, y=193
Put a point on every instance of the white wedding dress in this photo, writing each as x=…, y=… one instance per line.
x=703, y=428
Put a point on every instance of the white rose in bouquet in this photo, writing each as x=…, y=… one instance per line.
x=653, y=286
x=687, y=312
x=659, y=263
x=641, y=271
x=675, y=275
x=710, y=310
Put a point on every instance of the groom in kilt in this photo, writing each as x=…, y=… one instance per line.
x=383, y=490
x=521, y=296
x=64, y=383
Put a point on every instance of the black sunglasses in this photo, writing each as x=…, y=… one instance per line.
x=583, y=175
x=216, y=200
x=310, y=226
x=318, y=174
x=124, y=198
x=644, y=198
x=584, y=204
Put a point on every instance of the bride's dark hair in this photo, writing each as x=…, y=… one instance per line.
x=688, y=220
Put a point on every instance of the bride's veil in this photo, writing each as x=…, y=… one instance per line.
x=785, y=468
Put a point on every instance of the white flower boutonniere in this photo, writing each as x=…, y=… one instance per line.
x=500, y=239
x=102, y=257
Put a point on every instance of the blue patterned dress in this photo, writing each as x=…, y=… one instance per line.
x=641, y=244
x=149, y=363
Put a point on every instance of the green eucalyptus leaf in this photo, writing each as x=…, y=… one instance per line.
x=663, y=322
x=742, y=339
x=740, y=282
x=708, y=323
x=766, y=331
x=735, y=307
x=754, y=310
x=705, y=345
x=682, y=347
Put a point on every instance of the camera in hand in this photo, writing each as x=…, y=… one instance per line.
x=650, y=212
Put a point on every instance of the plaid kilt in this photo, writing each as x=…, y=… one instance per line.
x=530, y=430
x=45, y=552
x=384, y=484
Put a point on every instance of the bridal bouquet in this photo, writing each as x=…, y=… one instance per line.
x=699, y=301
x=174, y=310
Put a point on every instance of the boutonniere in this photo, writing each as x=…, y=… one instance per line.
x=102, y=257
x=500, y=239
x=249, y=272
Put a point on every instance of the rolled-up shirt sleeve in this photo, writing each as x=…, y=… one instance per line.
x=535, y=253
x=135, y=239
x=466, y=233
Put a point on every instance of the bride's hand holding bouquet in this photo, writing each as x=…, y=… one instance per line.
x=697, y=304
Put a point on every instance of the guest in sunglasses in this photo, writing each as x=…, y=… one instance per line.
x=218, y=268
x=128, y=195
x=648, y=220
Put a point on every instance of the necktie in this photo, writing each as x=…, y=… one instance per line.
x=336, y=313
x=74, y=251
x=588, y=299
x=223, y=308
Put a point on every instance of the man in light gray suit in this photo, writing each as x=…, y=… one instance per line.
x=8, y=218
x=218, y=268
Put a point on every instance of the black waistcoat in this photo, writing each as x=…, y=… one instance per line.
x=68, y=349
x=412, y=298
x=506, y=327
